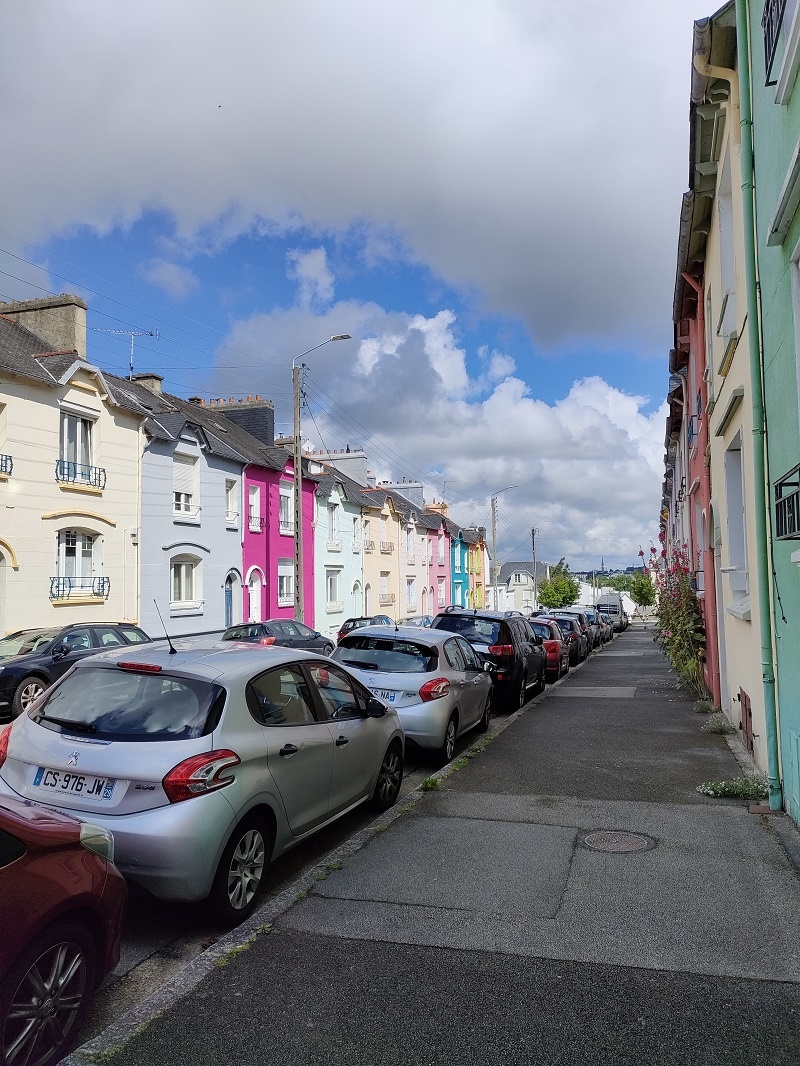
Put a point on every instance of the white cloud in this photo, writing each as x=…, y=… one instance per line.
x=310, y=270
x=586, y=468
x=532, y=153
x=175, y=280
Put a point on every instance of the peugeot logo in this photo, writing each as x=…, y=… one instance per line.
x=73, y=758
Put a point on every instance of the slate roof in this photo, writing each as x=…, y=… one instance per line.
x=522, y=566
x=353, y=492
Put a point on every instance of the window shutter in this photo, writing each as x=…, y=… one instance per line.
x=183, y=474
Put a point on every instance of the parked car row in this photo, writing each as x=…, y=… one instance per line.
x=194, y=764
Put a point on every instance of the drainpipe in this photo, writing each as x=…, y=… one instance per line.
x=757, y=399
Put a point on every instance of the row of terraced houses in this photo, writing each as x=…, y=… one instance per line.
x=731, y=492
x=118, y=500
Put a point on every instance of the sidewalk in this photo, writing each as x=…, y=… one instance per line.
x=484, y=927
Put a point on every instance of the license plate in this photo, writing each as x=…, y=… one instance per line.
x=384, y=694
x=72, y=784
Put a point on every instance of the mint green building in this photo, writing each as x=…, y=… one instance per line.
x=774, y=50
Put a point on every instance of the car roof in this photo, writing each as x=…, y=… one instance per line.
x=203, y=657
x=432, y=637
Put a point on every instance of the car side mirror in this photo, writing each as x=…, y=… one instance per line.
x=488, y=667
x=60, y=650
x=375, y=709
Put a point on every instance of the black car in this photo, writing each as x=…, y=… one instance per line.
x=32, y=659
x=284, y=632
x=364, y=620
x=506, y=639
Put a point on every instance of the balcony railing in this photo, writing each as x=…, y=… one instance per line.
x=386, y=598
x=787, y=506
x=77, y=474
x=334, y=606
x=356, y=546
x=64, y=588
x=231, y=517
x=285, y=601
x=771, y=22
x=411, y=560
x=6, y=465
x=256, y=524
x=286, y=527
x=387, y=546
x=334, y=545
x=369, y=545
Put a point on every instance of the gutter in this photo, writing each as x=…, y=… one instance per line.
x=757, y=400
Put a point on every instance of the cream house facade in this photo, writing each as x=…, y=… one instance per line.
x=71, y=450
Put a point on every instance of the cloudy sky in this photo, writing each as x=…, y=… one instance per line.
x=483, y=193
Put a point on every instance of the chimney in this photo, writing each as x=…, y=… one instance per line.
x=370, y=480
x=197, y=401
x=149, y=381
x=255, y=415
x=58, y=320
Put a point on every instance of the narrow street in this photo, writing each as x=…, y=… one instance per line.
x=565, y=897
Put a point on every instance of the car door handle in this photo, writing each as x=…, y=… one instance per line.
x=341, y=741
x=288, y=749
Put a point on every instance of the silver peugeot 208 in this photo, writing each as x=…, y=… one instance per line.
x=207, y=762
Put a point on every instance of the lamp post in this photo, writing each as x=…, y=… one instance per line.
x=534, y=535
x=297, y=458
x=494, y=541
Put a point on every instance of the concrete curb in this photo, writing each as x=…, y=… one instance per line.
x=133, y=1021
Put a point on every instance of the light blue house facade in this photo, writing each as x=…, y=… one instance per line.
x=459, y=559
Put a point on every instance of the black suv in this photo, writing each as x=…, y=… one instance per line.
x=506, y=639
x=32, y=659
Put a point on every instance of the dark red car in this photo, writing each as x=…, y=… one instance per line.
x=556, y=646
x=61, y=902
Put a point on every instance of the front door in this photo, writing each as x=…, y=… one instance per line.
x=228, y=602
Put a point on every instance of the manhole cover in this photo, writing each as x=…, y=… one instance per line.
x=616, y=842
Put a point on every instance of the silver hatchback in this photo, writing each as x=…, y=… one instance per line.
x=206, y=763
x=433, y=679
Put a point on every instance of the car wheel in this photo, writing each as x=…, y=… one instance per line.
x=521, y=693
x=485, y=718
x=46, y=995
x=448, y=748
x=328, y=649
x=390, y=777
x=29, y=689
x=240, y=876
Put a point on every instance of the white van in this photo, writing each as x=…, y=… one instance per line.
x=610, y=603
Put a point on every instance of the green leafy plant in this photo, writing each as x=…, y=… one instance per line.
x=704, y=706
x=431, y=784
x=681, y=632
x=751, y=787
x=717, y=723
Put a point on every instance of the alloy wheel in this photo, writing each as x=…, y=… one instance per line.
x=45, y=1005
x=29, y=693
x=246, y=869
x=390, y=777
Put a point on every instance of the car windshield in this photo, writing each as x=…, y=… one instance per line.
x=387, y=655
x=475, y=630
x=24, y=643
x=116, y=704
x=542, y=630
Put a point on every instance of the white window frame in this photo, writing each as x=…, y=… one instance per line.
x=188, y=570
x=441, y=591
x=231, y=501
x=411, y=592
x=185, y=492
x=286, y=509
x=332, y=601
x=285, y=582
x=254, y=508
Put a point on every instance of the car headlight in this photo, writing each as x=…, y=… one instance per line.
x=97, y=839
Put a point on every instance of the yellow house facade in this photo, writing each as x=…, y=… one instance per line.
x=70, y=455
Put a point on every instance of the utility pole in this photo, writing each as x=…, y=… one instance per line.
x=297, y=462
x=534, y=531
x=494, y=552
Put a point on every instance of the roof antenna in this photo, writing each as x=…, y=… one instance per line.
x=172, y=649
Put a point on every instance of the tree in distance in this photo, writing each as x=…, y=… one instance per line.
x=641, y=591
x=561, y=590
x=618, y=582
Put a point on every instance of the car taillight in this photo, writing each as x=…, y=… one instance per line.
x=434, y=690
x=501, y=649
x=267, y=641
x=143, y=668
x=199, y=774
x=5, y=736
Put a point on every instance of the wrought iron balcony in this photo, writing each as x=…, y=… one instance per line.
x=333, y=545
x=256, y=524
x=787, y=506
x=369, y=545
x=6, y=465
x=386, y=598
x=387, y=546
x=78, y=474
x=356, y=546
x=65, y=588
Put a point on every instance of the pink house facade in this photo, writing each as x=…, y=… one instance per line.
x=268, y=540
x=439, y=590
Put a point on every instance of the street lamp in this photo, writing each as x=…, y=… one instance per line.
x=297, y=457
x=494, y=540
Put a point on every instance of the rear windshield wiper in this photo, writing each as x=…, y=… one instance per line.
x=79, y=727
x=361, y=665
